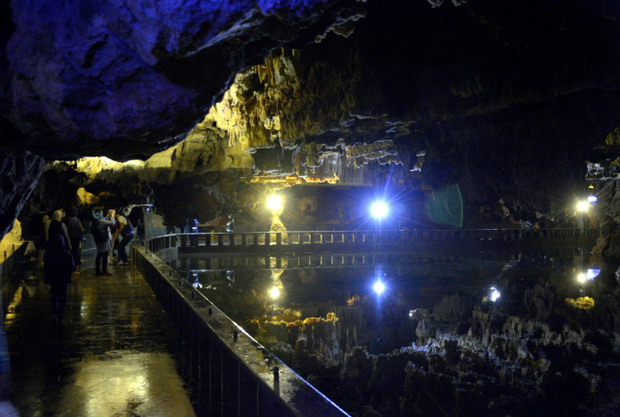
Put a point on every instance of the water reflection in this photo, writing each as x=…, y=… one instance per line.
x=506, y=327
x=271, y=295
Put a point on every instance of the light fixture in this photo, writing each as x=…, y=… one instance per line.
x=592, y=273
x=274, y=203
x=379, y=287
x=583, y=206
x=379, y=209
x=581, y=277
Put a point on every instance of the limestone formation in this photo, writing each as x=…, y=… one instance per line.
x=315, y=91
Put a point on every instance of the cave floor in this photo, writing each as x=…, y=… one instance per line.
x=112, y=355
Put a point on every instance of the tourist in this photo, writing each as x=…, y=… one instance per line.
x=75, y=230
x=37, y=231
x=56, y=227
x=58, y=269
x=124, y=230
x=103, y=239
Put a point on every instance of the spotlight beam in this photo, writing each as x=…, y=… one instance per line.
x=379, y=209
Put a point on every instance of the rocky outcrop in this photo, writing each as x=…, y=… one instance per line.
x=126, y=79
x=20, y=173
x=310, y=94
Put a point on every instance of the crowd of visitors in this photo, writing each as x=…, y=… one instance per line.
x=112, y=233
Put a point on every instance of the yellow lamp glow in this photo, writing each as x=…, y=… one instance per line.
x=274, y=203
x=581, y=278
x=583, y=206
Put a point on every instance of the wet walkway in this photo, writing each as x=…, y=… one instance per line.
x=112, y=356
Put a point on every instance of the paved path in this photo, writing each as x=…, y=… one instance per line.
x=112, y=356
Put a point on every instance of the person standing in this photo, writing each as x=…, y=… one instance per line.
x=58, y=269
x=103, y=239
x=58, y=228
x=37, y=231
x=124, y=230
x=75, y=230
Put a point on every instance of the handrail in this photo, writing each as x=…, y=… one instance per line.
x=229, y=371
x=361, y=238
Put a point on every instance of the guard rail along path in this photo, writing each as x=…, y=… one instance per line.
x=229, y=373
x=364, y=240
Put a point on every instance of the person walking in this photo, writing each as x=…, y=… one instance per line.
x=75, y=230
x=124, y=230
x=103, y=239
x=58, y=269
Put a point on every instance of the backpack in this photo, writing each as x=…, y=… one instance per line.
x=99, y=235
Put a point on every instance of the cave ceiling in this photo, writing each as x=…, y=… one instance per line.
x=503, y=98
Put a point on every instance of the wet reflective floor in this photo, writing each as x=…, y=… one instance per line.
x=113, y=355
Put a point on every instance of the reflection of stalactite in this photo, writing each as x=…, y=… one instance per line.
x=351, y=322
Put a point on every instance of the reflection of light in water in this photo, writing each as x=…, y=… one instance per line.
x=130, y=379
x=351, y=301
x=379, y=287
x=274, y=292
x=495, y=294
x=276, y=273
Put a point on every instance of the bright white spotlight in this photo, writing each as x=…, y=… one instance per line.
x=379, y=209
x=379, y=287
x=592, y=199
x=274, y=292
x=274, y=203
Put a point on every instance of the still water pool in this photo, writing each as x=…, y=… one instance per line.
x=375, y=298
x=460, y=331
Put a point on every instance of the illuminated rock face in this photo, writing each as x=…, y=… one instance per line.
x=127, y=78
x=505, y=100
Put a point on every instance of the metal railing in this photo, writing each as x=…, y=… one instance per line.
x=244, y=241
x=229, y=372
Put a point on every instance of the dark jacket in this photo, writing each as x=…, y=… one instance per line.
x=58, y=228
x=59, y=263
x=74, y=227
